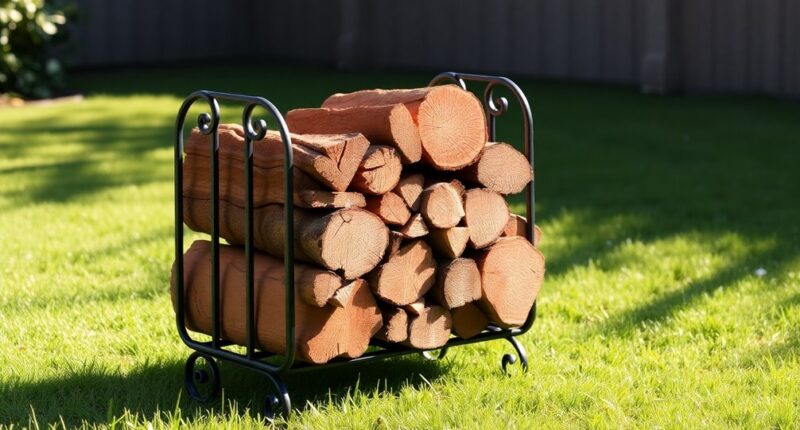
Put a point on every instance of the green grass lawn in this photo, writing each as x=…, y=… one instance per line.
x=656, y=212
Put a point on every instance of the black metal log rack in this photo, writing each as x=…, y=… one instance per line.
x=201, y=373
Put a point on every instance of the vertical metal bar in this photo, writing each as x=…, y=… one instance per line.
x=248, y=243
x=215, y=330
x=178, y=196
x=491, y=125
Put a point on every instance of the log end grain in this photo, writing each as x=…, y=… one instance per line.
x=379, y=171
x=430, y=329
x=441, y=205
x=405, y=276
x=450, y=242
x=486, y=215
x=468, y=321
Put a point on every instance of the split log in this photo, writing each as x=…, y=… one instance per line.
x=350, y=242
x=390, y=208
x=395, y=324
x=486, y=215
x=318, y=287
x=389, y=124
x=330, y=159
x=318, y=199
x=410, y=189
x=517, y=225
x=414, y=228
x=451, y=121
x=405, y=276
x=468, y=321
x=441, y=205
x=321, y=334
x=395, y=240
x=341, y=297
x=449, y=242
x=379, y=171
x=458, y=282
x=415, y=308
x=512, y=271
x=501, y=169
x=430, y=329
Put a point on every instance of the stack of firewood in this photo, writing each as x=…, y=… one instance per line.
x=402, y=230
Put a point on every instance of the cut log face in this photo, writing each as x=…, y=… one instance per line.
x=390, y=208
x=348, y=241
x=405, y=276
x=317, y=287
x=441, y=205
x=512, y=271
x=415, y=308
x=458, y=282
x=379, y=171
x=414, y=228
x=317, y=199
x=321, y=334
x=501, y=169
x=430, y=329
x=389, y=124
x=395, y=325
x=341, y=297
x=468, y=321
x=395, y=241
x=451, y=121
x=517, y=225
x=410, y=189
x=450, y=242
x=486, y=216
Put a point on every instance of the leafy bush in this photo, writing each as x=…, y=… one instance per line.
x=28, y=30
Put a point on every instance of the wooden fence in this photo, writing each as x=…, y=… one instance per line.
x=750, y=46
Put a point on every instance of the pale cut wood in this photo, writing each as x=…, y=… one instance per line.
x=415, y=308
x=318, y=199
x=517, y=225
x=395, y=241
x=449, y=242
x=468, y=321
x=330, y=159
x=451, y=121
x=341, y=297
x=410, y=188
x=379, y=171
x=414, y=228
x=512, y=271
x=430, y=329
x=458, y=282
x=390, y=208
x=441, y=205
x=350, y=242
x=317, y=287
x=321, y=334
x=389, y=124
x=395, y=324
x=486, y=215
x=501, y=169
x=405, y=276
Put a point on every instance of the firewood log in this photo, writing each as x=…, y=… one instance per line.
x=405, y=276
x=379, y=171
x=430, y=329
x=395, y=241
x=317, y=287
x=486, y=215
x=415, y=308
x=390, y=208
x=414, y=228
x=341, y=297
x=458, y=282
x=441, y=205
x=501, y=169
x=468, y=321
x=449, y=242
x=395, y=324
x=452, y=125
x=388, y=125
x=410, y=188
x=516, y=226
x=321, y=334
x=512, y=271
x=350, y=242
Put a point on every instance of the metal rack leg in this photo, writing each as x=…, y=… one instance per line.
x=511, y=359
x=279, y=403
x=202, y=381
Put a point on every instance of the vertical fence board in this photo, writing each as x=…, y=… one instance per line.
x=617, y=49
x=557, y=48
x=525, y=36
x=585, y=39
x=791, y=67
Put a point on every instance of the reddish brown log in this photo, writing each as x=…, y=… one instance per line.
x=486, y=215
x=430, y=329
x=378, y=172
x=395, y=324
x=405, y=276
x=468, y=321
x=501, y=169
x=458, y=282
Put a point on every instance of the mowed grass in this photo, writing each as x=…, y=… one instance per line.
x=657, y=212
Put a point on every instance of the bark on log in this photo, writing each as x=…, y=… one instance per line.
x=321, y=334
x=410, y=188
x=430, y=329
x=379, y=171
x=451, y=121
x=512, y=271
x=441, y=205
x=458, y=282
x=450, y=242
x=390, y=208
x=389, y=125
x=405, y=276
x=501, y=169
x=486, y=215
x=468, y=321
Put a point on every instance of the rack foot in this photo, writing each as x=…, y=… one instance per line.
x=201, y=379
x=429, y=355
x=511, y=359
x=279, y=403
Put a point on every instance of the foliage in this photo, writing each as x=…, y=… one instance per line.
x=28, y=31
x=657, y=214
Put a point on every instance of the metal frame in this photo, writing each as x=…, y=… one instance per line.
x=203, y=381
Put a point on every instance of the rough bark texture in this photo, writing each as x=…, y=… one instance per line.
x=405, y=276
x=468, y=321
x=379, y=171
x=450, y=242
x=458, y=282
x=441, y=205
x=321, y=334
x=430, y=329
x=486, y=215
x=501, y=169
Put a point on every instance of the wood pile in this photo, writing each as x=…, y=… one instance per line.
x=402, y=230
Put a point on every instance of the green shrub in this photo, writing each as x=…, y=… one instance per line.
x=28, y=30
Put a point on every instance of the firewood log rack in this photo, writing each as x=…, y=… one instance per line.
x=201, y=372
